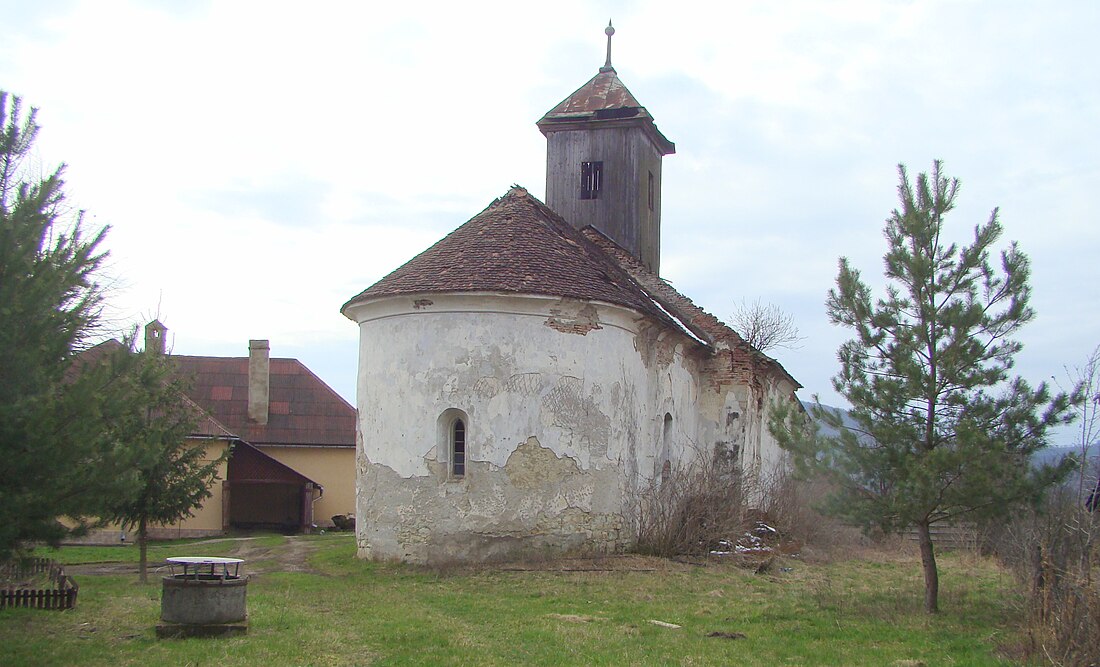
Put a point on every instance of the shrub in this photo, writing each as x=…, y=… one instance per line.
x=1055, y=552
x=689, y=508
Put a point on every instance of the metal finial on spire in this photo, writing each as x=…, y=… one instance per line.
x=609, y=31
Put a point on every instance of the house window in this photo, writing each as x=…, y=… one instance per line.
x=458, y=448
x=591, y=180
x=651, y=190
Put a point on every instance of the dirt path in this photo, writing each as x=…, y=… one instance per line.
x=291, y=556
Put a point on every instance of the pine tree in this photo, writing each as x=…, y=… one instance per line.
x=941, y=429
x=54, y=458
x=173, y=473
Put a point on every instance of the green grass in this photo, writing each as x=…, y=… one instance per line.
x=857, y=612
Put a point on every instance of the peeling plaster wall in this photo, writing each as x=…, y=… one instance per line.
x=772, y=457
x=565, y=405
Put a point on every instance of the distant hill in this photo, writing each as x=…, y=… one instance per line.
x=1045, y=456
x=1052, y=455
x=826, y=429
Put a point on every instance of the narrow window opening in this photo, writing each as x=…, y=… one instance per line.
x=458, y=448
x=591, y=180
x=651, y=190
x=666, y=437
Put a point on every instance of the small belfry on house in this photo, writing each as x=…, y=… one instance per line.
x=524, y=380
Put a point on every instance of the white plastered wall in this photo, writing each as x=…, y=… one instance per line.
x=565, y=402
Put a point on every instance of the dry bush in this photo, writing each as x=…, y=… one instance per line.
x=690, y=508
x=792, y=502
x=709, y=504
x=1055, y=551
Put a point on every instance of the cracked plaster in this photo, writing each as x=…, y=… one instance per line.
x=560, y=426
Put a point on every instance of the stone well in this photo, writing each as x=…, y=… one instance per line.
x=203, y=601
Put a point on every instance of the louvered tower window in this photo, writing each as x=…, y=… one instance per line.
x=591, y=180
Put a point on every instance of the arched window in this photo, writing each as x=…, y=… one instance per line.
x=458, y=448
x=453, y=446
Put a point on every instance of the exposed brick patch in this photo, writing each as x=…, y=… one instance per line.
x=734, y=360
x=580, y=321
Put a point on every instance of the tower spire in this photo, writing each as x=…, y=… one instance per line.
x=609, y=31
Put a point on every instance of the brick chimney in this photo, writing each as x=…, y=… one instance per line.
x=259, y=380
x=155, y=333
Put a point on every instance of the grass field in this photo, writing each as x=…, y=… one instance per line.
x=342, y=611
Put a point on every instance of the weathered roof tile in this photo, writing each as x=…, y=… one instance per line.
x=702, y=324
x=515, y=245
x=304, y=410
x=519, y=245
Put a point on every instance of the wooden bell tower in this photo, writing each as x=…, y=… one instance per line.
x=603, y=163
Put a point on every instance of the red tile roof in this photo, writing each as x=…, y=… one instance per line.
x=95, y=354
x=305, y=410
x=207, y=426
x=699, y=322
x=516, y=245
x=519, y=245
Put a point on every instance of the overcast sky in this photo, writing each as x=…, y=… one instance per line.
x=260, y=163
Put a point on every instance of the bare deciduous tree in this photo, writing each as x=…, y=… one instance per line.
x=1085, y=380
x=765, y=326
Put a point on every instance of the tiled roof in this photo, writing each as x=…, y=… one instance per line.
x=519, y=245
x=206, y=426
x=699, y=322
x=249, y=464
x=515, y=245
x=303, y=410
x=93, y=355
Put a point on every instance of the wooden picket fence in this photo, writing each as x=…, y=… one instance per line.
x=61, y=594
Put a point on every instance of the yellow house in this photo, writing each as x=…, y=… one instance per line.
x=292, y=465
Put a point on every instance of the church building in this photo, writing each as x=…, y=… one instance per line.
x=523, y=381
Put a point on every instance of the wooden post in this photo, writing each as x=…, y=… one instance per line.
x=307, y=508
x=225, y=505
